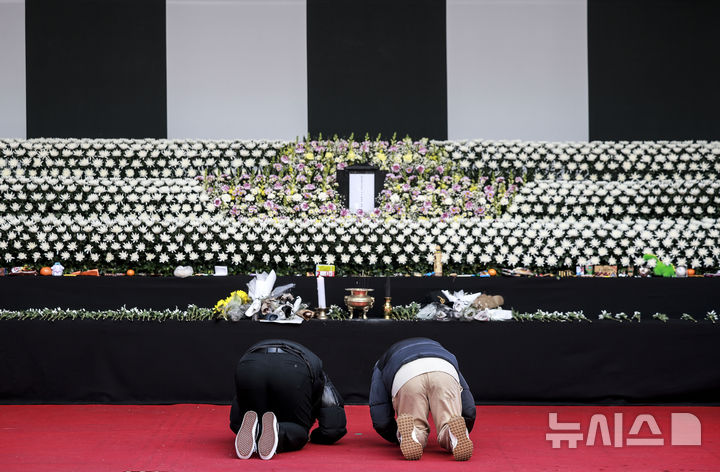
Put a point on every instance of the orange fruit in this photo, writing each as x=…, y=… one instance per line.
x=492, y=272
x=691, y=272
x=130, y=272
x=46, y=271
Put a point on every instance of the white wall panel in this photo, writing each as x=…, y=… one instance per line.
x=12, y=69
x=236, y=69
x=517, y=69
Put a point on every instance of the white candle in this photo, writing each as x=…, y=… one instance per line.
x=321, y=291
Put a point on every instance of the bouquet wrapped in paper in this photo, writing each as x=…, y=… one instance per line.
x=467, y=307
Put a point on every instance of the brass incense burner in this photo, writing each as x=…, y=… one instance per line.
x=359, y=299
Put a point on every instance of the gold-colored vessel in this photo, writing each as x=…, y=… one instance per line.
x=359, y=299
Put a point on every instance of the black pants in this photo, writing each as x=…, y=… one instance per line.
x=280, y=383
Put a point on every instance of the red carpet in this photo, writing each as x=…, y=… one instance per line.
x=196, y=438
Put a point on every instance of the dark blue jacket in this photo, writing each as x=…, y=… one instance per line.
x=399, y=354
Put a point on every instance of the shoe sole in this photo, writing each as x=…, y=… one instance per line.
x=245, y=439
x=411, y=449
x=463, y=450
x=267, y=444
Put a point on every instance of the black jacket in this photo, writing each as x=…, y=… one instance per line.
x=328, y=406
x=399, y=354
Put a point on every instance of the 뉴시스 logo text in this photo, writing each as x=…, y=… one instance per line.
x=607, y=430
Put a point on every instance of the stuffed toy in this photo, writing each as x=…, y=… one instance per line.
x=661, y=268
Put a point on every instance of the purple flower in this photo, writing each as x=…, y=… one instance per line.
x=217, y=201
x=225, y=188
x=304, y=206
x=342, y=165
x=408, y=170
x=284, y=159
x=395, y=168
x=440, y=169
x=278, y=167
x=344, y=212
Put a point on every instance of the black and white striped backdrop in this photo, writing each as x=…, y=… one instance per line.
x=277, y=69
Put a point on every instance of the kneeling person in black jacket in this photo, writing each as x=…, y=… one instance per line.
x=416, y=377
x=280, y=390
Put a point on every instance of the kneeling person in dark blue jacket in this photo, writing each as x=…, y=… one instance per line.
x=416, y=377
x=280, y=390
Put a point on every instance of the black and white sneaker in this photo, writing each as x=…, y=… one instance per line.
x=245, y=439
x=268, y=442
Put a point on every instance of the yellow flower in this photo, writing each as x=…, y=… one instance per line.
x=309, y=156
x=407, y=157
x=243, y=296
x=351, y=155
x=329, y=155
x=380, y=156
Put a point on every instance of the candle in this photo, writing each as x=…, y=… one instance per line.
x=387, y=286
x=321, y=292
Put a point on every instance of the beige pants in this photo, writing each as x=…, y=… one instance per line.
x=434, y=392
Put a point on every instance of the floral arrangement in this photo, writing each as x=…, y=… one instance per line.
x=221, y=308
x=421, y=182
x=142, y=158
x=153, y=244
x=151, y=205
x=615, y=199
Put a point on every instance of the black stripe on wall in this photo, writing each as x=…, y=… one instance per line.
x=654, y=69
x=96, y=68
x=377, y=66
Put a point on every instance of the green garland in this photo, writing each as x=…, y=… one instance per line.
x=192, y=313
x=336, y=313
